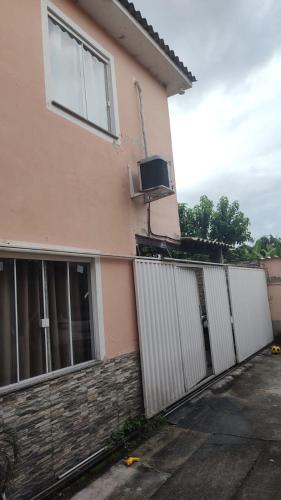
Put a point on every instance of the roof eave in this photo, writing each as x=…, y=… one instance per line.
x=204, y=242
x=130, y=34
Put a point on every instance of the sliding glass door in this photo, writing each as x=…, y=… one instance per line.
x=30, y=312
x=45, y=317
x=60, y=339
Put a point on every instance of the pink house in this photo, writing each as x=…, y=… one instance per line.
x=84, y=86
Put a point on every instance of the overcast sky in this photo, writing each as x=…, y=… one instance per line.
x=227, y=130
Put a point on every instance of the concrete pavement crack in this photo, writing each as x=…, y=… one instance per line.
x=246, y=437
x=242, y=482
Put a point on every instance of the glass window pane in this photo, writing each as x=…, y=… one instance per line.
x=8, y=359
x=32, y=356
x=80, y=312
x=66, y=69
x=95, y=85
x=58, y=314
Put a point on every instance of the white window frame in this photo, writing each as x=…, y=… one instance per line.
x=48, y=9
x=96, y=318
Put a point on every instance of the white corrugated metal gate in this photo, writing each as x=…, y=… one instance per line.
x=250, y=310
x=219, y=319
x=172, y=343
x=171, y=335
x=161, y=358
x=191, y=331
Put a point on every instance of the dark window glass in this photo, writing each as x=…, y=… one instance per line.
x=24, y=338
x=80, y=312
x=8, y=358
x=58, y=314
x=32, y=353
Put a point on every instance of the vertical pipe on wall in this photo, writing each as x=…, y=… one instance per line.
x=139, y=91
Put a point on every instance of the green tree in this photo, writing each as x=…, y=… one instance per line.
x=224, y=223
x=264, y=247
x=229, y=224
x=196, y=221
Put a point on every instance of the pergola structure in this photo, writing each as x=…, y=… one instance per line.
x=212, y=248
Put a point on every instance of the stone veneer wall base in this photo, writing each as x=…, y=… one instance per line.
x=60, y=422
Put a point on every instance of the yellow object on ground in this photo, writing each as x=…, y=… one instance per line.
x=275, y=349
x=131, y=460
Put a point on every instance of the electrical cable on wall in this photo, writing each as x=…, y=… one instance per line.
x=141, y=109
x=139, y=91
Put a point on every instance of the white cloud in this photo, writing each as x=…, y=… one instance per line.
x=226, y=130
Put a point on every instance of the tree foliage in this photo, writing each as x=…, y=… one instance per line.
x=264, y=247
x=225, y=222
x=196, y=221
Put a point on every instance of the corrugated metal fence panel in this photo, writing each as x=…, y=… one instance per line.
x=161, y=358
x=250, y=310
x=219, y=319
x=191, y=331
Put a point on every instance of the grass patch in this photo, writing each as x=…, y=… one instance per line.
x=135, y=429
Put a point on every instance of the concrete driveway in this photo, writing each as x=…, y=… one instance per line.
x=225, y=444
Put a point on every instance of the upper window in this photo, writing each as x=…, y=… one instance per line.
x=81, y=82
x=45, y=317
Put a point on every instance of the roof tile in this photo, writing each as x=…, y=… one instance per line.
x=155, y=36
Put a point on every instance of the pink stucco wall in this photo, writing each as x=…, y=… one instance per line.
x=274, y=292
x=273, y=269
x=63, y=185
x=120, y=324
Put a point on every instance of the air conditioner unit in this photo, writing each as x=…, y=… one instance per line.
x=154, y=178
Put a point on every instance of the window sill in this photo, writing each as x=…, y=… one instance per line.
x=84, y=120
x=46, y=377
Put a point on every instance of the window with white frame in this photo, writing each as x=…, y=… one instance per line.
x=81, y=80
x=45, y=317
